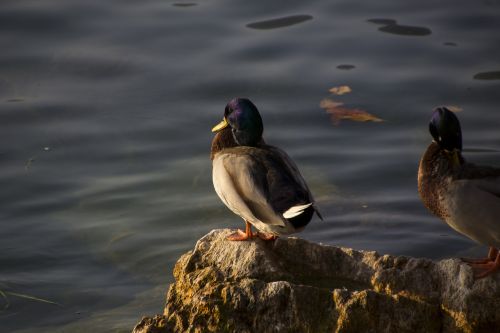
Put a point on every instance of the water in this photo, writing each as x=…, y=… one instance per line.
x=105, y=116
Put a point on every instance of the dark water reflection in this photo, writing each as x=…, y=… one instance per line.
x=346, y=67
x=493, y=75
x=185, y=4
x=105, y=116
x=392, y=27
x=280, y=22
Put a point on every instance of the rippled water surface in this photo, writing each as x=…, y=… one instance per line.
x=105, y=116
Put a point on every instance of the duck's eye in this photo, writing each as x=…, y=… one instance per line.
x=227, y=111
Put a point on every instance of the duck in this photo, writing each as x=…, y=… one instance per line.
x=256, y=181
x=466, y=196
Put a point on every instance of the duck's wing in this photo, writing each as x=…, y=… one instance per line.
x=240, y=180
x=293, y=170
x=485, y=178
x=475, y=208
x=491, y=186
x=473, y=171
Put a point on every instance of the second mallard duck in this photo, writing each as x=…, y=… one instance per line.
x=464, y=195
x=256, y=181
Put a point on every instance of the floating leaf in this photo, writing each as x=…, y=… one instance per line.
x=340, y=90
x=329, y=104
x=454, y=108
x=339, y=112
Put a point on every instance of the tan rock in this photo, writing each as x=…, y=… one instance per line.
x=292, y=285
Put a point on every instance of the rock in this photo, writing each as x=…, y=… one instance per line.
x=157, y=324
x=292, y=285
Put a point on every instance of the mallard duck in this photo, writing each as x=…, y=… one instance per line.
x=464, y=195
x=256, y=181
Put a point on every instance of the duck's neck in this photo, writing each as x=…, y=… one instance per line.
x=434, y=173
x=438, y=163
x=224, y=139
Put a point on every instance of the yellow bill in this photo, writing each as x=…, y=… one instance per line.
x=223, y=124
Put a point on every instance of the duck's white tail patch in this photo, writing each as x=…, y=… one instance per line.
x=295, y=210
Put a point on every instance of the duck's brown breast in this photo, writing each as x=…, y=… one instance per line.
x=434, y=176
x=222, y=139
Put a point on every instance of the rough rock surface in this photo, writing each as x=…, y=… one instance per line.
x=292, y=285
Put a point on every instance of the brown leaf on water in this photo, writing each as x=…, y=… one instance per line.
x=454, y=108
x=329, y=104
x=341, y=90
x=338, y=112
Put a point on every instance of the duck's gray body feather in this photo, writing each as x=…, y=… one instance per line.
x=260, y=184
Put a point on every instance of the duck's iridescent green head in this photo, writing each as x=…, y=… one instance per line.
x=245, y=122
x=445, y=129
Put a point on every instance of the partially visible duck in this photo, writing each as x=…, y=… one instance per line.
x=464, y=195
x=256, y=181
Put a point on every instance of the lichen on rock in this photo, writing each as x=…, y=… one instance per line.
x=292, y=285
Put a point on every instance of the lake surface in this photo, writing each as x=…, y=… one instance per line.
x=105, y=116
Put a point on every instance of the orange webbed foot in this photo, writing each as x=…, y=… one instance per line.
x=239, y=235
x=266, y=237
x=484, y=267
x=483, y=270
x=492, y=255
x=476, y=261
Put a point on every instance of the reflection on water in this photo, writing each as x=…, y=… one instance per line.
x=123, y=95
x=184, y=4
x=392, y=27
x=279, y=22
x=493, y=75
x=406, y=30
x=346, y=67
